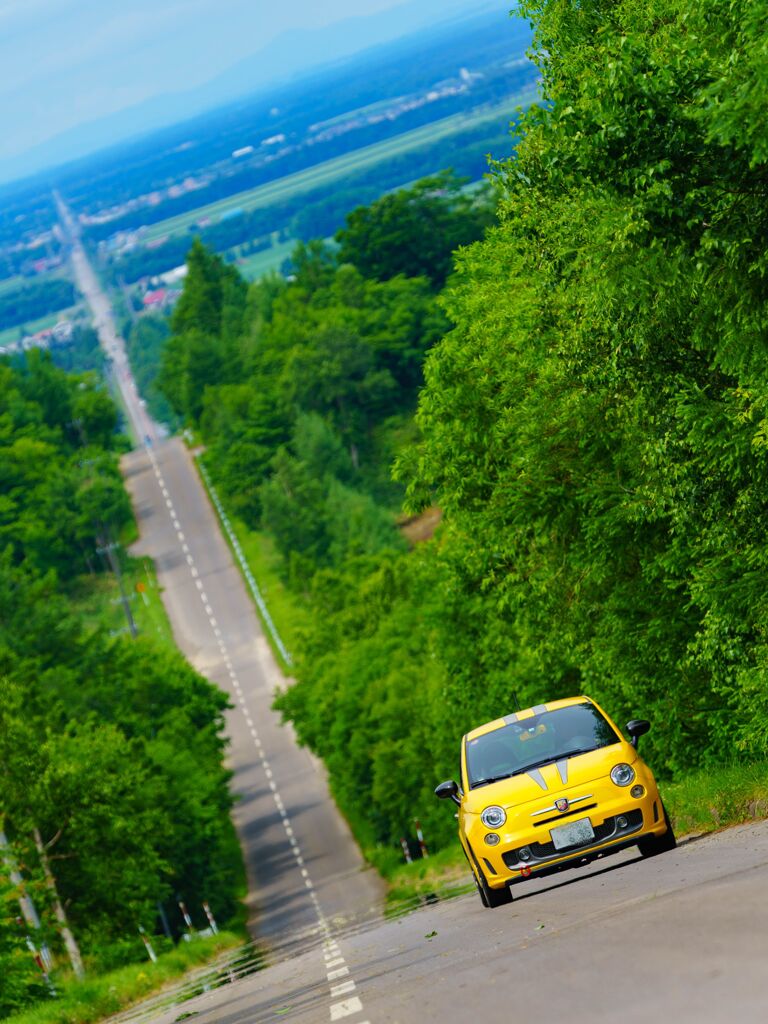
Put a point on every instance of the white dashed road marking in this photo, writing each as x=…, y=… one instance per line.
x=342, y=990
x=335, y=965
x=345, y=1008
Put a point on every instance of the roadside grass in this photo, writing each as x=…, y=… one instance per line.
x=93, y=999
x=718, y=797
x=338, y=167
x=442, y=874
x=126, y=424
x=97, y=600
x=289, y=615
x=704, y=801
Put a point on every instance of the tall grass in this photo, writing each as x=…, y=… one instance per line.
x=93, y=999
x=714, y=798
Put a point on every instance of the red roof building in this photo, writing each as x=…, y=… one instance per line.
x=155, y=298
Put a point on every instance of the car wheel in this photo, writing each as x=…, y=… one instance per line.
x=650, y=846
x=481, y=893
x=492, y=898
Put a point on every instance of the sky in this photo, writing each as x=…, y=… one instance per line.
x=65, y=63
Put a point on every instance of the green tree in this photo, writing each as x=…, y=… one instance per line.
x=414, y=231
x=22, y=982
x=593, y=422
x=593, y=429
x=206, y=323
x=146, y=338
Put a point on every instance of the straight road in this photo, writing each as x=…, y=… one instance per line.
x=304, y=867
x=681, y=938
x=140, y=423
x=306, y=875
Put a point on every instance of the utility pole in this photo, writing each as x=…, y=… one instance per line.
x=108, y=548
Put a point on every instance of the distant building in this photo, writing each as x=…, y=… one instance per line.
x=41, y=266
x=155, y=299
x=40, y=339
x=175, y=275
x=62, y=332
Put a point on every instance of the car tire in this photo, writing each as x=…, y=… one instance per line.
x=651, y=846
x=492, y=898
x=481, y=893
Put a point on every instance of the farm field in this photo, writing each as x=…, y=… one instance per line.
x=11, y=334
x=10, y=284
x=260, y=263
x=332, y=170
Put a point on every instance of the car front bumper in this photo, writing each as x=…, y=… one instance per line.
x=617, y=819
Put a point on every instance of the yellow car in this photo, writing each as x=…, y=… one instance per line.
x=552, y=787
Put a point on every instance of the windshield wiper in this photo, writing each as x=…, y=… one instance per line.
x=553, y=759
x=493, y=778
x=577, y=750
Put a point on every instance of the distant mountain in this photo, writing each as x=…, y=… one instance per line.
x=286, y=57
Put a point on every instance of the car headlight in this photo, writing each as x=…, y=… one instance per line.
x=622, y=774
x=494, y=817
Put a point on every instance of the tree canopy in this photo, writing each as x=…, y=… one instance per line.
x=414, y=231
x=110, y=749
x=593, y=426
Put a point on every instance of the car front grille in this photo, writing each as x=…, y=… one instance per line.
x=539, y=853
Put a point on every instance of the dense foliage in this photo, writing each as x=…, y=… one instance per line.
x=33, y=300
x=110, y=749
x=302, y=391
x=592, y=427
x=145, y=338
x=613, y=517
x=414, y=231
x=81, y=353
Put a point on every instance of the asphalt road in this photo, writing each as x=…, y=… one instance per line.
x=679, y=938
x=305, y=872
x=304, y=867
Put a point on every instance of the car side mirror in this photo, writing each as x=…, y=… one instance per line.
x=636, y=728
x=448, y=791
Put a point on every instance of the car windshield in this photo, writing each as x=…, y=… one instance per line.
x=532, y=742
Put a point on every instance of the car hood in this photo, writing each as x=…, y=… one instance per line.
x=579, y=771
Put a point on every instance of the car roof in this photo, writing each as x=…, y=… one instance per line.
x=519, y=716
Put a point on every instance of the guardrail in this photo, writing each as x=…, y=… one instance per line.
x=240, y=556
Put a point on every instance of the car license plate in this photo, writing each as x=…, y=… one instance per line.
x=573, y=834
